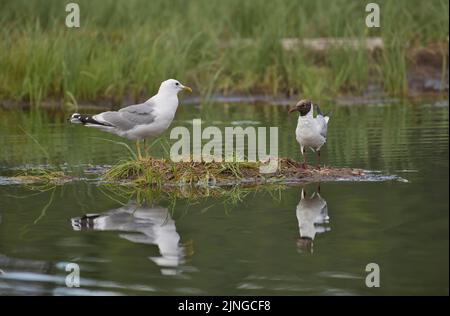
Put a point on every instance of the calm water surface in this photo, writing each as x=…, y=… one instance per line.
x=298, y=240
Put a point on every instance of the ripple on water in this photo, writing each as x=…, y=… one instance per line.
x=16, y=278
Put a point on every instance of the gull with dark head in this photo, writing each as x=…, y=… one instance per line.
x=140, y=121
x=311, y=132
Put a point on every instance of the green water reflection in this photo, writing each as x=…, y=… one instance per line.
x=263, y=243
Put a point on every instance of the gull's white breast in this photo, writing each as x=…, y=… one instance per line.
x=308, y=133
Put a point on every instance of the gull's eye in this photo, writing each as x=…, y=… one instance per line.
x=177, y=84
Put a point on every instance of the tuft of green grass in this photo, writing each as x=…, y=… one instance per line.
x=151, y=171
x=41, y=179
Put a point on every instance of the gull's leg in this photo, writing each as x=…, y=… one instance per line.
x=138, y=147
x=318, y=159
x=145, y=148
x=304, y=166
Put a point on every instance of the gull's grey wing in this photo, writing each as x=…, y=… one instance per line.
x=322, y=121
x=323, y=125
x=130, y=116
x=139, y=114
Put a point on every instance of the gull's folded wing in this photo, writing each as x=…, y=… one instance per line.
x=130, y=116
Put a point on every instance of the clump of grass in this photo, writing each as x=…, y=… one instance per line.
x=42, y=179
x=151, y=171
x=165, y=173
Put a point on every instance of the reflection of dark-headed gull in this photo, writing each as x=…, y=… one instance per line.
x=311, y=131
x=142, y=224
x=139, y=121
x=312, y=213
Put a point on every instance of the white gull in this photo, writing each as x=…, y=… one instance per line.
x=140, y=121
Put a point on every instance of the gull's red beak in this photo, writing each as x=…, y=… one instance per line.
x=292, y=110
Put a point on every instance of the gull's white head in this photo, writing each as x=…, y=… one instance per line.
x=172, y=86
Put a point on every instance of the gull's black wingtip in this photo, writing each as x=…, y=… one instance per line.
x=319, y=112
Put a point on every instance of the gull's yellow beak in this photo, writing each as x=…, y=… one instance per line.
x=186, y=88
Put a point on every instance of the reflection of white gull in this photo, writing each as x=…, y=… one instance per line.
x=312, y=213
x=143, y=224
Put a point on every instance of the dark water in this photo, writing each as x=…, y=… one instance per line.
x=264, y=242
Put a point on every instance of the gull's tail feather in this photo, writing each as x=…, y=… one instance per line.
x=84, y=222
x=78, y=118
x=319, y=112
x=326, y=116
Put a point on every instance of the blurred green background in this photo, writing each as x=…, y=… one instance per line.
x=126, y=48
